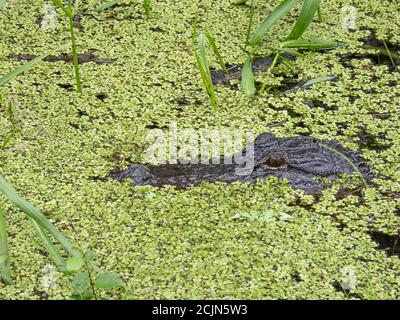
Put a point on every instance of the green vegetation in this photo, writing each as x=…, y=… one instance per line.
x=40, y=222
x=147, y=8
x=5, y=272
x=14, y=73
x=107, y=5
x=77, y=260
x=10, y=111
x=202, y=63
x=68, y=10
x=293, y=41
x=238, y=241
x=248, y=85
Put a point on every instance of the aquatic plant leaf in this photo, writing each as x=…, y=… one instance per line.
x=5, y=273
x=12, y=74
x=53, y=252
x=202, y=65
x=291, y=52
x=319, y=11
x=67, y=10
x=106, y=5
x=221, y=61
x=248, y=84
x=75, y=264
x=282, y=9
x=318, y=80
x=240, y=2
x=33, y=213
x=147, y=8
x=311, y=44
x=284, y=216
x=391, y=54
x=108, y=280
x=81, y=282
x=305, y=18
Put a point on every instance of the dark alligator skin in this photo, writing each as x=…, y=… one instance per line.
x=302, y=160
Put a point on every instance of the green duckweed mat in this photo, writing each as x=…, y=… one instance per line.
x=198, y=243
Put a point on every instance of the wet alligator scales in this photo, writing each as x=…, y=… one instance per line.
x=302, y=160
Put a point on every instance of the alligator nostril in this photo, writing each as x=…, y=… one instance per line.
x=275, y=160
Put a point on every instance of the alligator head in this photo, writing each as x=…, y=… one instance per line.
x=302, y=160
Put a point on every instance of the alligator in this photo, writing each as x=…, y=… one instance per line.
x=302, y=160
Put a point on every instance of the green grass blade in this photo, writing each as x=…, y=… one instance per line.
x=318, y=80
x=75, y=55
x=247, y=83
x=311, y=44
x=147, y=8
x=60, y=5
x=389, y=54
x=199, y=50
x=286, y=62
x=282, y=9
x=218, y=55
x=33, y=213
x=292, y=52
x=107, y=5
x=8, y=138
x=349, y=161
x=250, y=25
x=202, y=64
x=53, y=252
x=306, y=16
x=202, y=54
x=11, y=75
x=5, y=272
x=320, y=17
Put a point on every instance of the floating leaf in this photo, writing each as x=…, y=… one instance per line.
x=268, y=216
x=81, y=282
x=284, y=216
x=108, y=280
x=108, y=5
x=75, y=264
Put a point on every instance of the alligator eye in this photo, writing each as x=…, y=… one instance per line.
x=275, y=160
